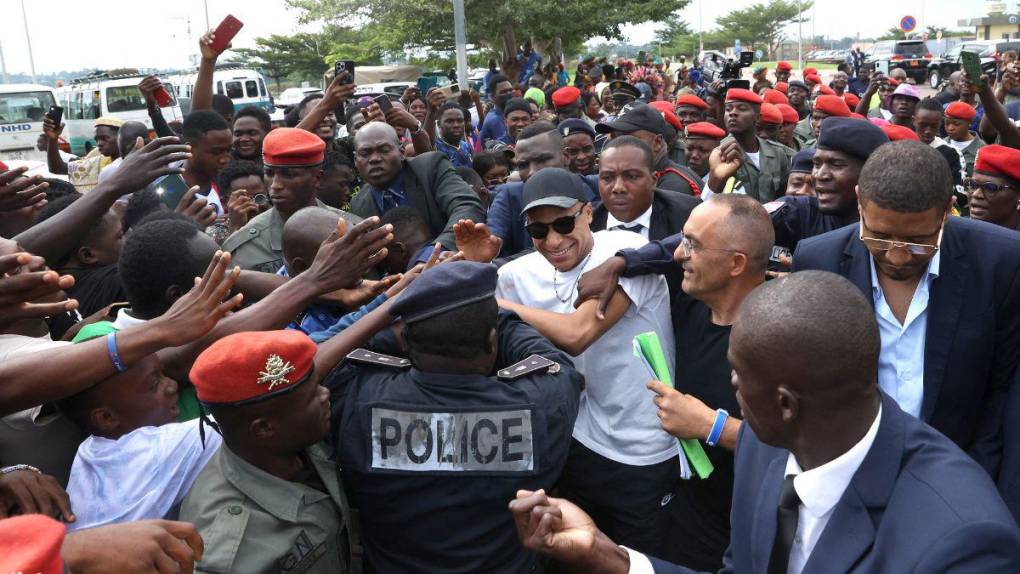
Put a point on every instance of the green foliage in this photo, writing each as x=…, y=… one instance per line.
x=761, y=25
x=894, y=33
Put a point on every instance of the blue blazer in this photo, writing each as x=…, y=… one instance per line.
x=917, y=504
x=972, y=345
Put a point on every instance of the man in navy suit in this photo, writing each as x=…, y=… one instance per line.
x=944, y=290
x=832, y=475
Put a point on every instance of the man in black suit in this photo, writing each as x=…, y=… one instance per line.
x=427, y=183
x=946, y=294
x=630, y=200
x=831, y=475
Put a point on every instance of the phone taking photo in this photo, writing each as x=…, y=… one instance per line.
x=971, y=63
x=385, y=105
x=56, y=115
x=170, y=189
x=344, y=66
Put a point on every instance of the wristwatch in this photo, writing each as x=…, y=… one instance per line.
x=421, y=128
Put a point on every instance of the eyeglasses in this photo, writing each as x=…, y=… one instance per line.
x=687, y=247
x=876, y=244
x=988, y=188
x=563, y=225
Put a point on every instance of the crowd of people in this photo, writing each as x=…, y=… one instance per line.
x=411, y=340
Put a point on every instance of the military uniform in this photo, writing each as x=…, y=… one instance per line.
x=252, y=521
x=763, y=183
x=258, y=246
x=430, y=460
x=803, y=134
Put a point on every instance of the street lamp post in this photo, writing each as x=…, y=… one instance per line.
x=28, y=39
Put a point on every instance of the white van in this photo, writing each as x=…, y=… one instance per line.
x=22, y=107
x=244, y=86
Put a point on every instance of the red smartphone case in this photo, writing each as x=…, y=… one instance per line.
x=225, y=32
x=162, y=97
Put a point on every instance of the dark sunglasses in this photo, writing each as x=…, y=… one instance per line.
x=988, y=188
x=563, y=225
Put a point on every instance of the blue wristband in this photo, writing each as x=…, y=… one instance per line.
x=717, y=427
x=111, y=350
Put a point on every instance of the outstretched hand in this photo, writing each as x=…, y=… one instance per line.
x=24, y=279
x=346, y=255
x=197, y=312
x=147, y=163
x=476, y=241
x=17, y=192
x=197, y=208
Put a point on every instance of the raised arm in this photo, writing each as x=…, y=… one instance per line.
x=335, y=94
x=995, y=113
x=148, y=87
x=54, y=163
x=201, y=96
x=573, y=332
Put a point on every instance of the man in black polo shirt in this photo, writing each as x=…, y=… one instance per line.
x=723, y=252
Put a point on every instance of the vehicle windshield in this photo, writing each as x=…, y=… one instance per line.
x=125, y=99
x=24, y=107
x=913, y=49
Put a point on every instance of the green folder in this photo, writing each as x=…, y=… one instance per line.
x=651, y=352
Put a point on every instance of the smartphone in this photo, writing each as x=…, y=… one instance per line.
x=344, y=66
x=425, y=83
x=162, y=97
x=225, y=32
x=170, y=189
x=384, y=102
x=56, y=114
x=451, y=91
x=971, y=64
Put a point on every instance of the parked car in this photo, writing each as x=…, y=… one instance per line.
x=990, y=52
x=292, y=96
x=910, y=55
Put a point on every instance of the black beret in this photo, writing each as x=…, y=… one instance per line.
x=444, y=288
x=803, y=160
x=515, y=105
x=851, y=136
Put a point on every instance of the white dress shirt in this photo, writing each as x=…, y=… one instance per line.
x=644, y=220
x=819, y=489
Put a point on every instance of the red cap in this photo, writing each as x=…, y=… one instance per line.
x=666, y=109
x=247, y=367
x=784, y=66
x=960, y=111
x=291, y=147
x=851, y=100
x=832, y=105
x=3, y=166
x=790, y=115
x=742, y=95
x=770, y=114
x=826, y=90
x=812, y=77
x=810, y=71
x=774, y=97
x=896, y=133
x=782, y=87
x=995, y=160
x=691, y=100
x=565, y=96
x=705, y=130
x=31, y=543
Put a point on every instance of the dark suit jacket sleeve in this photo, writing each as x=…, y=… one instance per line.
x=974, y=547
x=663, y=567
x=456, y=199
x=501, y=222
x=654, y=258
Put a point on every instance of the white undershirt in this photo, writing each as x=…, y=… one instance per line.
x=755, y=159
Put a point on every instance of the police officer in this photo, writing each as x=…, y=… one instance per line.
x=293, y=168
x=432, y=445
x=270, y=500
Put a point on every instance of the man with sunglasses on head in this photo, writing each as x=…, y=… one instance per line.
x=622, y=466
x=946, y=293
x=292, y=160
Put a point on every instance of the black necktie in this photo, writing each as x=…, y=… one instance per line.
x=786, y=529
x=636, y=228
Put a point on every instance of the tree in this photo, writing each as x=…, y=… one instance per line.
x=894, y=33
x=499, y=25
x=763, y=24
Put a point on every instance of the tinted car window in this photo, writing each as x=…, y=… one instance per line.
x=911, y=49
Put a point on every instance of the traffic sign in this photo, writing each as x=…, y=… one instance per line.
x=758, y=54
x=1013, y=20
x=908, y=23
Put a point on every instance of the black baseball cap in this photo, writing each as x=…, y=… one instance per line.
x=639, y=116
x=553, y=186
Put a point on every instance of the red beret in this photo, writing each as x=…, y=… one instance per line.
x=960, y=111
x=770, y=114
x=565, y=96
x=998, y=160
x=666, y=109
x=775, y=97
x=809, y=70
x=813, y=78
x=31, y=543
x=832, y=105
x=826, y=90
x=897, y=133
x=705, y=130
x=691, y=100
x=851, y=99
x=790, y=115
x=291, y=147
x=742, y=95
x=782, y=87
x=784, y=66
x=3, y=166
x=247, y=367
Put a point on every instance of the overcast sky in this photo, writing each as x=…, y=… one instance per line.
x=70, y=34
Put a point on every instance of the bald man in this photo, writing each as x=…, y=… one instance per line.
x=831, y=476
x=427, y=183
x=721, y=256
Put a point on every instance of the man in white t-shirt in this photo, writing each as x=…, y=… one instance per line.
x=622, y=466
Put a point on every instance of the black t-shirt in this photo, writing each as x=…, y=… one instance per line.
x=94, y=288
x=700, y=510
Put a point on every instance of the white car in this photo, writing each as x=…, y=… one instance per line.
x=292, y=96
